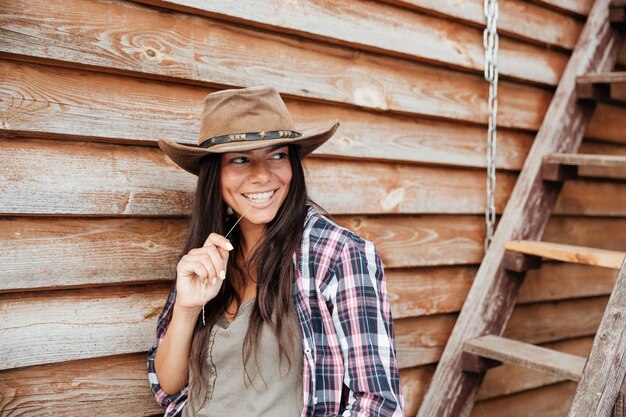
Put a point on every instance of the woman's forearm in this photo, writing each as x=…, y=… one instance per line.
x=172, y=357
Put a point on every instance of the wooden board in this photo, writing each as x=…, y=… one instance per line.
x=568, y=253
x=103, y=179
x=99, y=179
x=580, y=7
x=510, y=379
x=381, y=28
x=513, y=352
x=200, y=51
x=540, y=24
x=551, y=401
x=587, y=160
x=109, y=386
x=605, y=370
x=71, y=104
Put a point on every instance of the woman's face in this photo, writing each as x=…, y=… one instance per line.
x=259, y=178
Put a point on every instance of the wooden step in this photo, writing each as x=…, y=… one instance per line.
x=564, y=166
x=602, y=86
x=530, y=356
x=568, y=253
x=587, y=160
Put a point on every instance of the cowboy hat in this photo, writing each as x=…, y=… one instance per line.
x=244, y=119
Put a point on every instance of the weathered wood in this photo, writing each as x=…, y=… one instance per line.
x=452, y=392
x=64, y=103
x=519, y=262
x=99, y=179
x=511, y=379
x=579, y=7
x=379, y=27
x=605, y=371
x=527, y=355
x=617, y=161
x=477, y=364
x=112, y=180
x=568, y=253
x=36, y=327
x=551, y=401
x=604, y=86
x=540, y=24
x=558, y=173
x=108, y=386
x=197, y=50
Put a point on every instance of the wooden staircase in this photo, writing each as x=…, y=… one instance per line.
x=475, y=344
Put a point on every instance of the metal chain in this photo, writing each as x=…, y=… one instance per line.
x=490, y=43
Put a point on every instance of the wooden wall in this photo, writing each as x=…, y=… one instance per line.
x=92, y=214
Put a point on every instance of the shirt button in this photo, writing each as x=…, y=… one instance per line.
x=315, y=400
x=307, y=350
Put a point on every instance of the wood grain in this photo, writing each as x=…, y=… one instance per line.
x=580, y=7
x=527, y=355
x=540, y=24
x=108, y=386
x=47, y=101
x=605, y=370
x=382, y=28
x=568, y=253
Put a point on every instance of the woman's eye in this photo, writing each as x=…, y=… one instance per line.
x=279, y=155
x=238, y=160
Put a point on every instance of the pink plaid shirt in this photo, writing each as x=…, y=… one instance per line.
x=350, y=366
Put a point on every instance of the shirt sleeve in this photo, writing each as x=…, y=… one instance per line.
x=362, y=319
x=173, y=403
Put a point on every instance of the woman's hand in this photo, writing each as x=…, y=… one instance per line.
x=200, y=273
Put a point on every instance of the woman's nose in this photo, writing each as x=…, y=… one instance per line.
x=260, y=172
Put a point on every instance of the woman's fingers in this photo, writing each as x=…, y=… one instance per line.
x=218, y=240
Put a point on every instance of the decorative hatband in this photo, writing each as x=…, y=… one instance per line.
x=251, y=136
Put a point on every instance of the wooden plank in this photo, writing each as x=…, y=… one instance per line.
x=378, y=27
x=608, y=161
x=414, y=382
x=64, y=103
x=511, y=379
x=540, y=24
x=198, y=51
x=112, y=180
x=551, y=401
x=603, y=86
x=568, y=253
x=45, y=253
x=604, y=233
x=107, y=386
x=579, y=7
x=99, y=179
x=452, y=393
x=77, y=324
x=525, y=354
x=606, y=124
x=605, y=371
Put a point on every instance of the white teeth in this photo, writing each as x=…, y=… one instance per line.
x=259, y=197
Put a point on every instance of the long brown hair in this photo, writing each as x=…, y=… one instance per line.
x=272, y=259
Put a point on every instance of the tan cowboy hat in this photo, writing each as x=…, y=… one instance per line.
x=241, y=120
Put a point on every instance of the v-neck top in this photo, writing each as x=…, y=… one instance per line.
x=271, y=388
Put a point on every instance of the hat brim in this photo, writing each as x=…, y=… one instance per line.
x=188, y=156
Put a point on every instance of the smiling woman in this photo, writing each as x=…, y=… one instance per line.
x=299, y=322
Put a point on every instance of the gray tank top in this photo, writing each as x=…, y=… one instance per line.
x=273, y=392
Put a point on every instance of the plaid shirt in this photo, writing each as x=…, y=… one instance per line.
x=341, y=300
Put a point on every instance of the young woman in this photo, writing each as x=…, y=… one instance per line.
x=276, y=310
